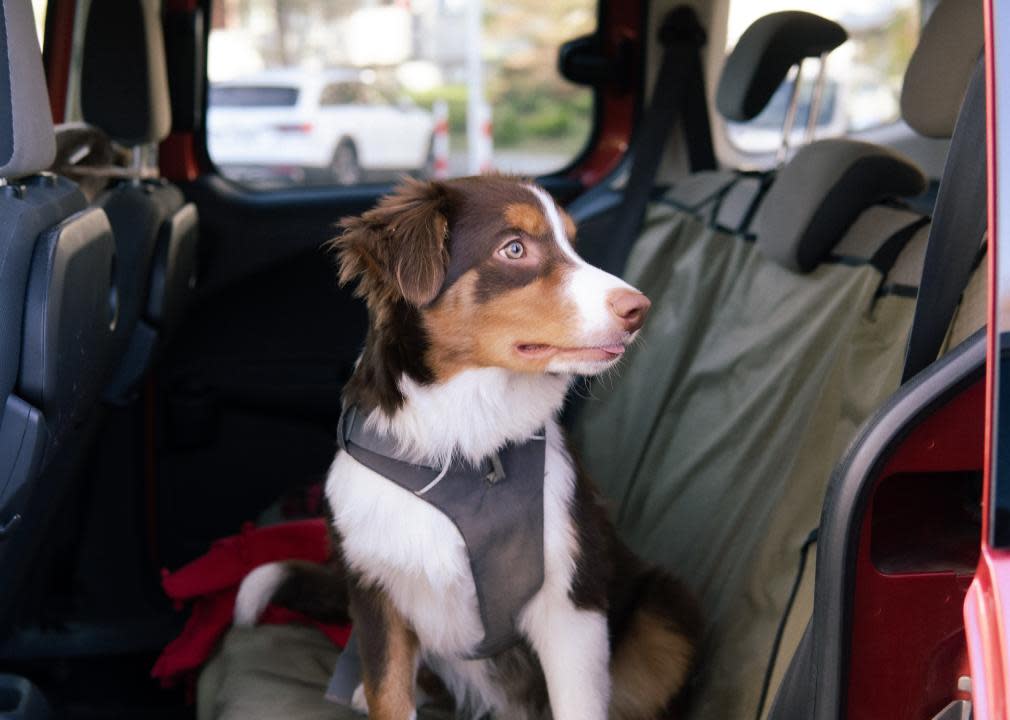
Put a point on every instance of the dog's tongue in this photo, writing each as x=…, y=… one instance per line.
x=616, y=349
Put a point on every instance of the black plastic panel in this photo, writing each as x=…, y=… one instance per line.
x=139, y=354
x=184, y=35
x=174, y=274
x=21, y=700
x=999, y=521
x=26, y=210
x=22, y=444
x=136, y=211
x=71, y=311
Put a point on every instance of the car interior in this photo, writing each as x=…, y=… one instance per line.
x=798, y=435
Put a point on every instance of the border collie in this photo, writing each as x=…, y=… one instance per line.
x=480, y=315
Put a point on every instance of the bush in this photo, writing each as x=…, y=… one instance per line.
x=551, y=121
x=507, y=127
x=521, y=111
x=454, y=96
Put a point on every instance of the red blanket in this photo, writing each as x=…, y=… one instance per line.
x=212, y=581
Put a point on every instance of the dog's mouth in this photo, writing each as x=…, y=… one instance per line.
x=593, y=353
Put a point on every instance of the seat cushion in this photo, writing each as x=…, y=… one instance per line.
x=271, y=672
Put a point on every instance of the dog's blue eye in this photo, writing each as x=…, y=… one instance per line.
x=514, y=250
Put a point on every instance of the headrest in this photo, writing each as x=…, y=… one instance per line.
x=938, y=73
x=27, y=142
x=763, y=55
x=124, y=84
x=819, y=194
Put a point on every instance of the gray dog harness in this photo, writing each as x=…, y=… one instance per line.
x=497, y=507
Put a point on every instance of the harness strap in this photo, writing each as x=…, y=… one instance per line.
x=498, y=508
x=679, y=88
x=959, y=225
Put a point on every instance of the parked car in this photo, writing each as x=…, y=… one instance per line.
x=308, y=127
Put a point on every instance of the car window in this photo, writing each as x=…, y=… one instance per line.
x=340, y=93
x=427, y=88
x=370, y=95
x=39, y=9
x=863, y=76
x=253, y=96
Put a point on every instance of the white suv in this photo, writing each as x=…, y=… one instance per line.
x=314, y=127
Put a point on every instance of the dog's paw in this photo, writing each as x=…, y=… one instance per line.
x=255, y=592
x=360, y=705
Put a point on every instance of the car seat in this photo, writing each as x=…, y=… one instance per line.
x=59, y=309
x=124, y=92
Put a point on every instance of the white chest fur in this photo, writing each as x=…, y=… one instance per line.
x=417, y=555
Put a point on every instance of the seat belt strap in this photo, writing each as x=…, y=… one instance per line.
x=679, y=88
x=959, y=224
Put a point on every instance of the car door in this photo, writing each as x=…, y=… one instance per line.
x=389, y=138
x=987, y=605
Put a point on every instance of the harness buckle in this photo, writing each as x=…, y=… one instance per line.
x=497, y=473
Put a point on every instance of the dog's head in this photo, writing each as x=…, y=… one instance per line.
x=484, y=273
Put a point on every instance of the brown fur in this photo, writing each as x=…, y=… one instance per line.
x=398, y=249
x=655, y=625
x=388, y=654
x=527, y=218
x=649, y=667
x=466, y=333
x=569, y=224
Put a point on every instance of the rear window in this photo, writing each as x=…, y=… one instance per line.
x=39, y=11
x=863, y=76
x=253, y=96
x=774, y=114
x=447, y=87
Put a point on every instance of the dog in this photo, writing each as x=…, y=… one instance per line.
x=481, y=314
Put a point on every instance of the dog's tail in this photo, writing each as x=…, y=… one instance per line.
x=655, y=654
x=317, y=591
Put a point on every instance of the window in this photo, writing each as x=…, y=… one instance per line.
x=321, y=92
x=863, y=77
x=39, y=9
x=253, y=96
x=344, y=93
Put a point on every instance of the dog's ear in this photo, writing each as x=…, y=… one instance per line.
x=400, y=246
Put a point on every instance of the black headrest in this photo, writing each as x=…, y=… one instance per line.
x=124, y=84
x=820, y=193
x=763, y=55
x=27, y=141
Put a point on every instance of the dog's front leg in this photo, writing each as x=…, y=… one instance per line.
x=389, y=653
x=573, y=646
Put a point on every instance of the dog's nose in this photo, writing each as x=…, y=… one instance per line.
x=630, y=306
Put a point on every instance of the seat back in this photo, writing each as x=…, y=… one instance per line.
x=58, y=305
x=781, y=304
x=759, y=63
x=124, y=92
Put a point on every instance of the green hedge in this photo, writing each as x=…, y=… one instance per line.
x=520, y=113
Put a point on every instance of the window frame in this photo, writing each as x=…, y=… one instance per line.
x=572, y=171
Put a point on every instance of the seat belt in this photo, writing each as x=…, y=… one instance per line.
x=679, y=88
x=959, y=224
